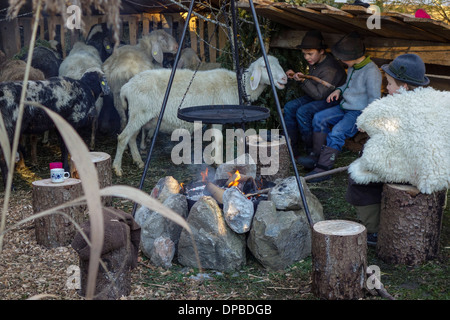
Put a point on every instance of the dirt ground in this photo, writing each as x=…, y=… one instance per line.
x=29, y=270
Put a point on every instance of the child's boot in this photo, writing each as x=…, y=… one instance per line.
x=326, y=162
x=310, y=161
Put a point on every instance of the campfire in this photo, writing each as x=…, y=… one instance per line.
x=229, y=209
x=253, y=189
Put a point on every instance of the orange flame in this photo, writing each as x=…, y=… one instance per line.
x=204, y=175
x=235, y=182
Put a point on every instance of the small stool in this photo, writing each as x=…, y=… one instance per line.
x=339, y=255
x=410, y=224
x=102, y=162
x=55, y=230
x=275, y=150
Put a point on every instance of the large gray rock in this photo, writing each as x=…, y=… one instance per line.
x=279, y=238
x=155, y=226
x=219, y=248
x=280, y=233
x=286, y=196
x=165, y=187
x=162, y=252
x=237, y=210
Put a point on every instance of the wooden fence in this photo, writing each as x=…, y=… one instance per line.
x=205, y=37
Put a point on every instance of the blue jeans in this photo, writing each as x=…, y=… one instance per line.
x=298, y=117
x=343, y=122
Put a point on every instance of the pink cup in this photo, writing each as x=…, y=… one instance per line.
x=55, y=165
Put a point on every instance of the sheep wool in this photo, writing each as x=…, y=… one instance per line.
x=81, y=58
x=409, y=140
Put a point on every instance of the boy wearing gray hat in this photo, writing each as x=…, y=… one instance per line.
x=406, y=72
x=363, y=85
x=298, y=113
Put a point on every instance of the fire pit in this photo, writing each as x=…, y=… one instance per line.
x=229, y=209
x=253, y=189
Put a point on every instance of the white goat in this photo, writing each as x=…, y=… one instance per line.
x=81, y=58
x=129, y=60
x=145, y=92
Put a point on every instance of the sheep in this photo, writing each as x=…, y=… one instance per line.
x=100, y=37
x=129, y=60
x=81, y=58
x=14, y=70
x=144, y=95
x=46, y=59
x=73, y=99
x=190, y=60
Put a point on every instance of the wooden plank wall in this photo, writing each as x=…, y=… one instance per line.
x=203, y=36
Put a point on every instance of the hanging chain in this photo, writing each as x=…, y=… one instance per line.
x=189, y=85
x=196, y=69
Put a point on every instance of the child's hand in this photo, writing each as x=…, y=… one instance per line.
x=290, y=73
x=299, y=76
x=334, y=96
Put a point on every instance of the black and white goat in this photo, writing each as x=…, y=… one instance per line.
x=73, y=99
x=101, y=38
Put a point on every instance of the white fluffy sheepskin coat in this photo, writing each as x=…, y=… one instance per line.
x=409, y=140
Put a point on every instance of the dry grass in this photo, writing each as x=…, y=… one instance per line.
x=76, y=147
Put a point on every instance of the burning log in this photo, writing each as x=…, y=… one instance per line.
x=240, y=181
x=216, y=192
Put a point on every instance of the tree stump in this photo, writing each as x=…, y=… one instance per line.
x=272, y=157
x=339, y=258
x=410, y=224
x=55, y=230
x=102, y=162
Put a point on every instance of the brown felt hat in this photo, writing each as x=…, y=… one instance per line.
x=312, y=40
x=350, y=47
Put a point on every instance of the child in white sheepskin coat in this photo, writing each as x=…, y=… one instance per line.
x=395, y=124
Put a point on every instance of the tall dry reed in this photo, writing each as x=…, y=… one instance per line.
x=87, y=172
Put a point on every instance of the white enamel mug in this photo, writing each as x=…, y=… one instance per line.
x=58, y=175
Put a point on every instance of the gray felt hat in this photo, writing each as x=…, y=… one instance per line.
x=408, y=68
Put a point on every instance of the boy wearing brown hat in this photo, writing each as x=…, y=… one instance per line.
x=363, y=85
x=298, y=113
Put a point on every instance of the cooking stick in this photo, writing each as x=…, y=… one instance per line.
x=313, y=176
x=326, y=84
